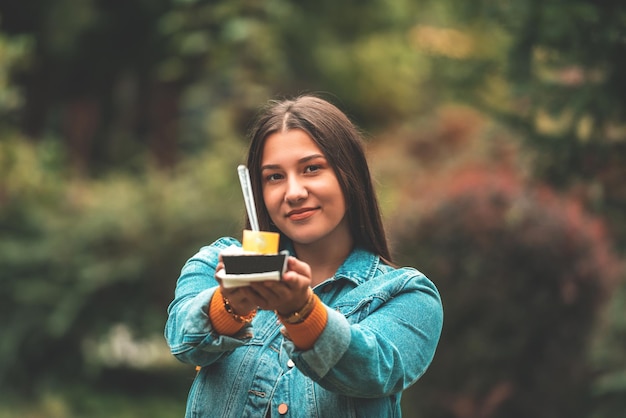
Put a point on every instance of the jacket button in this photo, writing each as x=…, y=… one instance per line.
x=283, y=408
x=290, y=363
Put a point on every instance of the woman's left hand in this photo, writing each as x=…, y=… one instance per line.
x=287, y=295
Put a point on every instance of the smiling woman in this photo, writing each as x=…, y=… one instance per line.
x=344, y=332
x=303, y=197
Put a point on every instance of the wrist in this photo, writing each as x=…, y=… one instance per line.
x=223, y=322
x=301, y=314
x=304, y=334
x=242, y=319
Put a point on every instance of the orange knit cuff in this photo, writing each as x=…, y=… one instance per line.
x=222, y=321
x=305, y=333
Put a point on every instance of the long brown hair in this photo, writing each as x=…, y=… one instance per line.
x=342, y=145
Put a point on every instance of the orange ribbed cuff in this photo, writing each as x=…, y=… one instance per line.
x=222, y=321
x=305, y=333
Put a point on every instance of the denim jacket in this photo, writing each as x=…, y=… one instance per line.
x=383, y=327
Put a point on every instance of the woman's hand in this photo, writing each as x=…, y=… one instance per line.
x=285, y=296
x=239, y=300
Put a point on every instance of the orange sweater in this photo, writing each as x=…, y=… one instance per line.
x=303, y=334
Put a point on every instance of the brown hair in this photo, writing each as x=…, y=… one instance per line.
x=342, y=145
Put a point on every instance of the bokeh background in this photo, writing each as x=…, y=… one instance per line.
x=495, y=129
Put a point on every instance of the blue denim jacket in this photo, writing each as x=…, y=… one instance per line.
x=383, y=327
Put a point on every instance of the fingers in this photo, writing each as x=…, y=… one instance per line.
x=220, y=266
x=240, y=299
x=246, y=298
x=297, y=269
x=286, y=295
x=264, y=297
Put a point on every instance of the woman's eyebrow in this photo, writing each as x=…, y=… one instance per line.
x=300, y=161
x=270, y=167
x=310, y=157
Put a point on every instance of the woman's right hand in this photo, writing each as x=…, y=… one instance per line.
x=238, y=299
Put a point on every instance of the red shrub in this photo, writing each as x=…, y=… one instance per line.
x=522, y=275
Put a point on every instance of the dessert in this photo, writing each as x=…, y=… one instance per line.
x=257, y=260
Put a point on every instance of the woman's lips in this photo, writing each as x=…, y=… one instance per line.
x=301, y=214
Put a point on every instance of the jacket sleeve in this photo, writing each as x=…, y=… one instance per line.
x=378, y=343
x=188, y=330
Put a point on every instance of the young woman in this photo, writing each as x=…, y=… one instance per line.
x=345, y=331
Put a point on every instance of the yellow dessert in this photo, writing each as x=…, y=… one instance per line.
x=260, y=242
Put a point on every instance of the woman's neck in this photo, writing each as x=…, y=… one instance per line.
x=324, y=258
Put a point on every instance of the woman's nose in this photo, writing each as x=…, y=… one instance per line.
x=296, y=190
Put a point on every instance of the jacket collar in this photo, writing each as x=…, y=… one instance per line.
x=359, y=267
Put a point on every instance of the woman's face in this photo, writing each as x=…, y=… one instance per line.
x=301, y=191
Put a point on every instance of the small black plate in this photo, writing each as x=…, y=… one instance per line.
x=255, y=263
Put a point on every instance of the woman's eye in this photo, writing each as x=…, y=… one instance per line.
x=312, y=168
x=273, y=177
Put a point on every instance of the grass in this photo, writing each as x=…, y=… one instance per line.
x=79, y=402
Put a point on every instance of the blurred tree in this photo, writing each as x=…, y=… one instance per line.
x=79, y=258
x=360, y=52
x=553, y=70
x=558, y=81
x=91, y=72
x=109, y=76
x=113, y=78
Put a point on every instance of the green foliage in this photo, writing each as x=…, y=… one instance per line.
x=566, y=92
x=80, y=256
x=13, y=52
x=608, y=357
x=78, y=402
